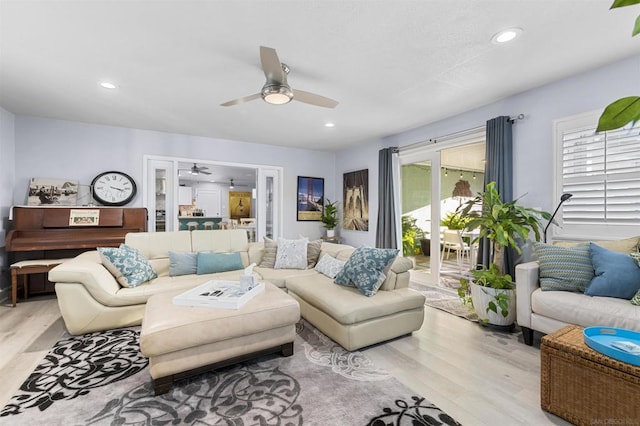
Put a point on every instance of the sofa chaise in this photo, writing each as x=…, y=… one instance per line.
x=91, y=299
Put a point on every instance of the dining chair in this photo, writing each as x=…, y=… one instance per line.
x=452, y=241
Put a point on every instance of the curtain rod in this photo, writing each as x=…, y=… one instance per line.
x=433, y=141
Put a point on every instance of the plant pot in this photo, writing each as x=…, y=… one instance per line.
x=481, y=298
x=425, y=245
x=331, y=233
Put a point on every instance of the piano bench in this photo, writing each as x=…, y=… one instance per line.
x=27, y=267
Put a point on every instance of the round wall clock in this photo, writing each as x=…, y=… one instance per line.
x=113, y=188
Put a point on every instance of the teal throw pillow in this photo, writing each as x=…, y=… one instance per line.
x=616, y=274
x=564, y=268
x=364, y=269
x=127, y=265
x=182, y=263
x=210, y=263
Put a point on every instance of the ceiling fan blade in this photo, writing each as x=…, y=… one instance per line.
x=204, y=173
x=241, y=100
x=271, y=65
x=313, y=99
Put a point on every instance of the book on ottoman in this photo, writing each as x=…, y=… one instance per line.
x=218, y=294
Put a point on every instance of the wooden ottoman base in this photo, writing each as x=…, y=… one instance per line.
x=181, y=341
x=586, y=387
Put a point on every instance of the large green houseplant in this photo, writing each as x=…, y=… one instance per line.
x=502, y=223
x=625, y=110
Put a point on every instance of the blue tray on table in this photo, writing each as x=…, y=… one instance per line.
x=605, y=339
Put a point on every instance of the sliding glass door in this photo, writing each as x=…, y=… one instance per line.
x=433, y=183
x=419, y=211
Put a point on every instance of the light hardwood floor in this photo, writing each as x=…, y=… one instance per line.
x=479, y=377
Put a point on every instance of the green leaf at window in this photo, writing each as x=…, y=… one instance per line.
x=620, y=113
x=623, y=3
x=636, y=27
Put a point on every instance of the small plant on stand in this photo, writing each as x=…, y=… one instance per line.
x=329, y=217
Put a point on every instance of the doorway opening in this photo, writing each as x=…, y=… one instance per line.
x=186, y=194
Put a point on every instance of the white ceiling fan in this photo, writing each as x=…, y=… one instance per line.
x=197, y=170
x=276, y=90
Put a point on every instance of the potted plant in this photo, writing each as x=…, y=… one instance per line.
x=455, y=220
x=411, y=235
x=329, y=217
x=491, y=290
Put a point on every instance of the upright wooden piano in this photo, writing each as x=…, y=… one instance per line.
x=50, y=233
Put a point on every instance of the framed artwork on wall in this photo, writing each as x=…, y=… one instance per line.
x=310, y=198
x=356, y=200
x=239, y=204
x=52, y=192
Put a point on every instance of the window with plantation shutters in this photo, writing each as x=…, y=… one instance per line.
x=602, y=171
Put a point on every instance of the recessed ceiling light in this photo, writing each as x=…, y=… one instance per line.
x=505, y=36
x=329, y=124
x=107, y=85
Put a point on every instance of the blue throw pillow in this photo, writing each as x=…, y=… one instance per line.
x=210, y=263
x=364, y=269
x=127, y=265
x=616, y=274
x=182, y=263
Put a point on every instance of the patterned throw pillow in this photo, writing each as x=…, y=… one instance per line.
x=269, y=254
x=364, y=269
x=636, y=258
x=635, y=300
x=564, y=268
x=329, y=266
x=127, y=265
x=291, y=254
x=313, y=252
x=182, y=263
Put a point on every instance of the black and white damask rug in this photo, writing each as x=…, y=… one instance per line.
x=103, y=379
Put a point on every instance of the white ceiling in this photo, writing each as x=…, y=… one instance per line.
x=393, y=65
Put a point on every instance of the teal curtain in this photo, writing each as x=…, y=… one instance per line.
x=386, y=236
x=499, y=169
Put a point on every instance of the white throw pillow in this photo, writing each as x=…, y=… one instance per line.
x=329, y=266
x=292, y=254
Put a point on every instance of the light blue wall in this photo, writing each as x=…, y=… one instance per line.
x=71, y=150
x=55, y=148
x=533, y=136
x=7, y=176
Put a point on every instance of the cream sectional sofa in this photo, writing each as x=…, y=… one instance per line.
x=91, y=299
x=547, y=311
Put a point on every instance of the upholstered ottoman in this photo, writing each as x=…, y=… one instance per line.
x=181, y=341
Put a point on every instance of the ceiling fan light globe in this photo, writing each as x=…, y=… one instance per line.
x=277, y=94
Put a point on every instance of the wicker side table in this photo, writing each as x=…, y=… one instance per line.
x=586, y=387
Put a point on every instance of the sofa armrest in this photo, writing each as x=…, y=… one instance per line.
x=91, y=274
x=527, y=281
x=398, y=274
